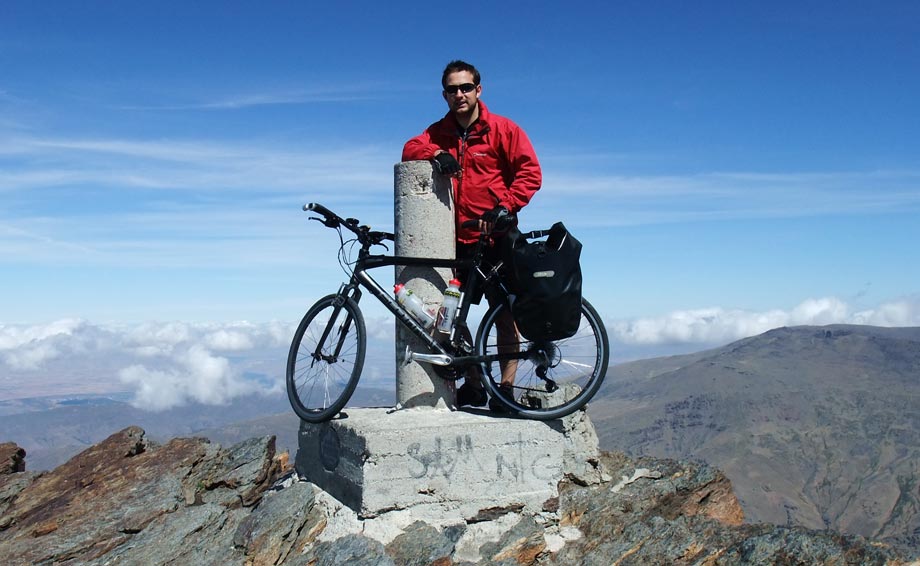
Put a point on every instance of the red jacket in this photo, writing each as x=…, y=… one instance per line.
x=498, y=164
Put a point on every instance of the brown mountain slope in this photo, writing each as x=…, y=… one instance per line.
x=818, y=427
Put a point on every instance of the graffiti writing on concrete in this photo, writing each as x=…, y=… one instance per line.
x=441, y=460
x=513, y=461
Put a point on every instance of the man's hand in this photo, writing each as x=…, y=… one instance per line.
x=445, y=164
x=496, y=219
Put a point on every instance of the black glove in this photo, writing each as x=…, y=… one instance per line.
x=499, y=217
x=445, y=164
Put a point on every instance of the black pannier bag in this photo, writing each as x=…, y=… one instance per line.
x=545, y=278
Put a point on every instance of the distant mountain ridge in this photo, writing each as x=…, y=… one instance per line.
x=52, y=430
x=815, y=426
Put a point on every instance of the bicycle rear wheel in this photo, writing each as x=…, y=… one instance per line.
x=555, y=378
x=326, y=358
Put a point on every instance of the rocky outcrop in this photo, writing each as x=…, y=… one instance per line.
x=12, y=458
x=125, y=496
x=188, y=501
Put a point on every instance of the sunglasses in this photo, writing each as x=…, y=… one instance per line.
x=464, y=88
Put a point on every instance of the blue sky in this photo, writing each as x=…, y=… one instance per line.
x=728, y=165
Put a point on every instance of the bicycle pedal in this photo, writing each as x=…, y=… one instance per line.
x=407, y=357
x=435, y=359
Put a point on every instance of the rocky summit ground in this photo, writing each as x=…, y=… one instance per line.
x=129, y=501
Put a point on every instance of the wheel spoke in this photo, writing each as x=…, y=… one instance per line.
x=320, y=381
x=577, y=364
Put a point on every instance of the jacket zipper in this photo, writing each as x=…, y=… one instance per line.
x=461, y=153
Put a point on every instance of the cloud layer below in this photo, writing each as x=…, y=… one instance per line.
x=165, y=365
x=718, y=326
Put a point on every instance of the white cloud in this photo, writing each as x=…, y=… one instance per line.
x=627, y=200
x=228, y=340
x=28, y=347
x=13, y=336
x=156, y=335
x=271, y=99
x=30, y=356
x=719, y=326
x=192, y=202
x=900, y=313
x=199, y=165
x=196, y=375
x=194, y=97
x=174, y=363
x=820, y=312
x=163, y=364
x=158, y=390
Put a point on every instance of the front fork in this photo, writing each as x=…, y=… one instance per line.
x=346, y=291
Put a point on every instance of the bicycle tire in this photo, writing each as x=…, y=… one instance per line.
x=577, y=365
x=319, y=388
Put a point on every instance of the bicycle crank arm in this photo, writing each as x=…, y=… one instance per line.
x=435, y=359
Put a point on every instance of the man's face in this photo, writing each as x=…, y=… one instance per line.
x=461, y=102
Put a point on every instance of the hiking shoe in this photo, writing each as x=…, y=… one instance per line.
x=471, y=395
x=497, y=406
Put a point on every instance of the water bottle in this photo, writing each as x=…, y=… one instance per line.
x=413, y=305
x=449, y=306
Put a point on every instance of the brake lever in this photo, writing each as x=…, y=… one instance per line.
x=329, y=223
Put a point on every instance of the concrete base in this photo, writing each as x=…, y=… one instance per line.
x=434, y=461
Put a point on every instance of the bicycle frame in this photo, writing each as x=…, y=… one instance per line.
x=361, y=278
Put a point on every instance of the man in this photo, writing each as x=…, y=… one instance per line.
x=495, y=173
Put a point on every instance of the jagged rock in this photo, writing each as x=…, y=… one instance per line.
x=124, y=496
x=241, y=475
x=477, y=536
x=196, y=534
x=581, y=459
x=12, y=458
x=126, y=501
x=688, y=515
x=422, y=545
x=349, y=549
x=13, y=478
x=281, y=526
x=520, y=545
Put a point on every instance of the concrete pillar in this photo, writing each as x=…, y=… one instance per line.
x=424, y=227
x=437, y=464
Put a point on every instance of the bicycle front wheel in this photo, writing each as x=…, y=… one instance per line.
x=326, y=358
x=553, y=379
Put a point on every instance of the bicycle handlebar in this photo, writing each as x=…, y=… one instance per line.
x=474, y=224
x=319, y=209
x=333, y=220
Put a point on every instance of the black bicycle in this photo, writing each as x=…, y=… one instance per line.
x=553, y=378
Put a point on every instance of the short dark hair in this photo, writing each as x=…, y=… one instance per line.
x=455, y=67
